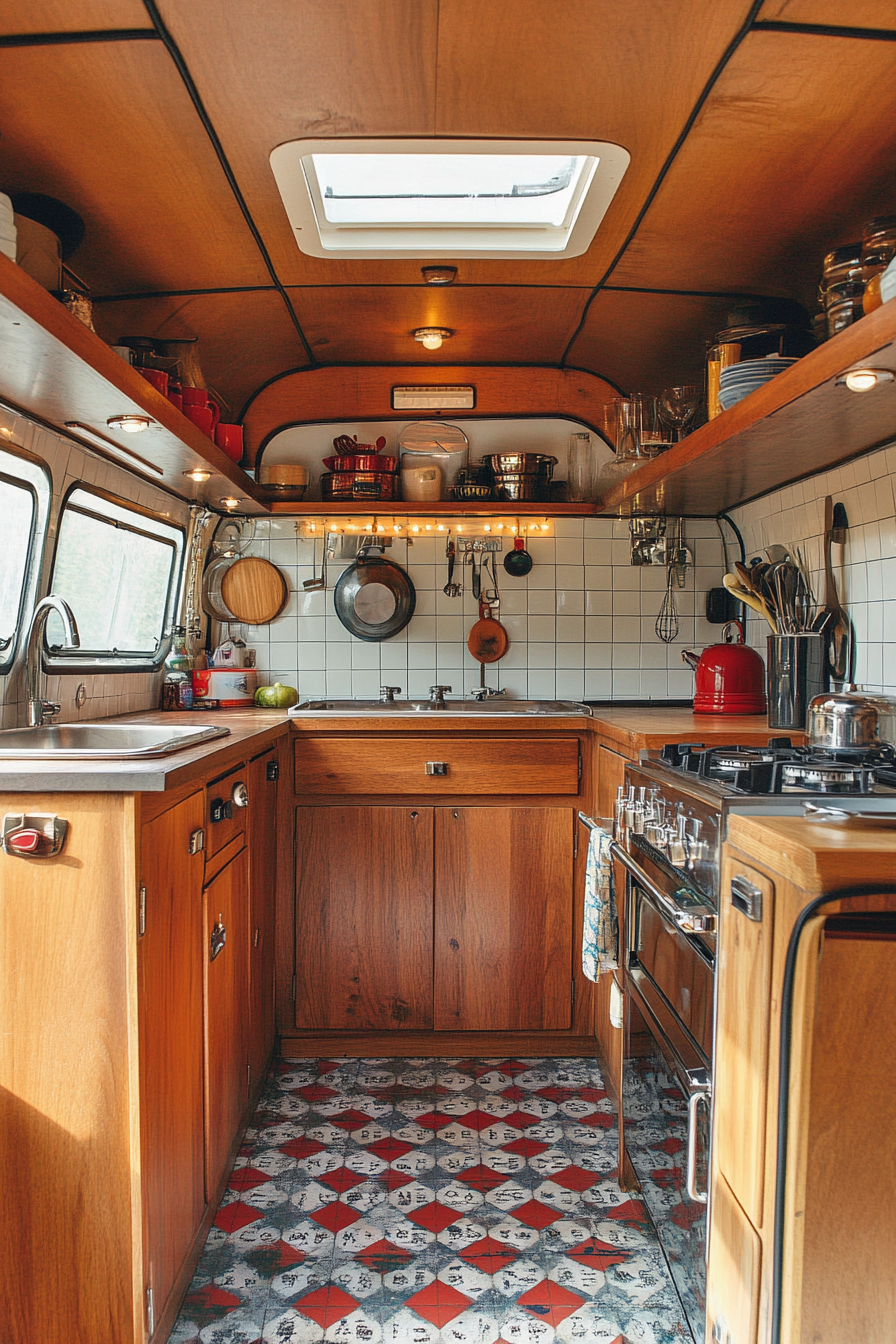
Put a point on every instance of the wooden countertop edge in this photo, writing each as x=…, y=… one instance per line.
x=817, y=855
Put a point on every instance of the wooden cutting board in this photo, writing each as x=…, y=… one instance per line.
x=254, y=590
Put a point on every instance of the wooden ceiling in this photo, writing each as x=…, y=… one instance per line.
x=761, y=135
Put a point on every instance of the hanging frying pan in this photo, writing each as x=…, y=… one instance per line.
x=374, y=599
x=488, y=641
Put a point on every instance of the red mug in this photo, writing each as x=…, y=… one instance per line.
x=229, y=438
x=197, y=396
x=174, y=395
x=201, y=417
x=158, y=378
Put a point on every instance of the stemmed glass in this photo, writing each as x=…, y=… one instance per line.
x=679, y=406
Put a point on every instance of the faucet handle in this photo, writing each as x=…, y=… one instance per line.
x=50, y=708
x=437, y=694
x=388, y=694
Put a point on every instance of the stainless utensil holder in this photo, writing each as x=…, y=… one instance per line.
x=796, y=673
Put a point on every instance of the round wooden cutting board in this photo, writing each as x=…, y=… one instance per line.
x=254, y=590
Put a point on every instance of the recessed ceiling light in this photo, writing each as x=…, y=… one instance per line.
x=862, y=380
x=230, y=502
x=197, y=474
x=131, y=424
x=541, y=199
x=432, y=337
x=439, y=275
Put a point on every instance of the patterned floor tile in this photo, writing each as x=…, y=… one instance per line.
x=432, y=1201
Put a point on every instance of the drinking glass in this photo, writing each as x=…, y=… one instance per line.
x=679, y=406
x=652, y=438
x=581, y=469
x=628, y=430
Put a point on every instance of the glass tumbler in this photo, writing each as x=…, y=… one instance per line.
x=581, y=469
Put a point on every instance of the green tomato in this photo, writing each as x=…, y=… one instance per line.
x=276, y=696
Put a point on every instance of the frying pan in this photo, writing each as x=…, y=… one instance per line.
x=374, y=598
x=488, y=641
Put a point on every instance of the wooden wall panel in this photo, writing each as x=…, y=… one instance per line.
x=71, y=16
x=243, y=339
x=366, y=393
x=108, y=128
x=788, y=157
x=645, y=342
x=510, y=324
x=858, y=14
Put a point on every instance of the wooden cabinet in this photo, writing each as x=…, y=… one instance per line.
x=503, y=919
x=262, y=782
x=169, y=979
x=226, y=959
x=364, y=918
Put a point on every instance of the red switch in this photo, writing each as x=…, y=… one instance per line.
x=24, y=842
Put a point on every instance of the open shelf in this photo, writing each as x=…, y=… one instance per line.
x=442, y=508
x=798, y=424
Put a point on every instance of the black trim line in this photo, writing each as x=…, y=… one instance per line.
x=740, y=296
x=181, y=66
x=73, y=39
x=142, y=295
x=732, y=47
x=841, y=894
x=825, y=30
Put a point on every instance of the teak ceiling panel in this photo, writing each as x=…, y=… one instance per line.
x=793, y=149
x=645, y=342
x=244, y=340
x=508, y=325
x=292, y=68
x=858, y=14
x=108, y=128
x=71, y=16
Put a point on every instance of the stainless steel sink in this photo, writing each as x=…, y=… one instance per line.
x=114, y=741
x=493, y=707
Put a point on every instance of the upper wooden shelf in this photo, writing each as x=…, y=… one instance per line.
x=443, y=508
x=61, y=372
x=798, y=424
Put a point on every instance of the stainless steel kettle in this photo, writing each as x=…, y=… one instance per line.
x=851, y=721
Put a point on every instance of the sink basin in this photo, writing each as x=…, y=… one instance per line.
x=114, y=741
x=493, y=707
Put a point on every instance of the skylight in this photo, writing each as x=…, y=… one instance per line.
x=446, y=198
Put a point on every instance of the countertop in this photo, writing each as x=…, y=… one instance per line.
x=818, y=856
x=627, y=729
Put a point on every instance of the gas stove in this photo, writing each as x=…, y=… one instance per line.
x=780, y=768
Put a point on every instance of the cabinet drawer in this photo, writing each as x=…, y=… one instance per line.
x=437, y=765
x=225, y=810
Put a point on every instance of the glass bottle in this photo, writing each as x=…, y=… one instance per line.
x=177, y=683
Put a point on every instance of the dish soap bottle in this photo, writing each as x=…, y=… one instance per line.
x=177, y=685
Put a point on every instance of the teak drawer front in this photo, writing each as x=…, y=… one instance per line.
x=398, y=765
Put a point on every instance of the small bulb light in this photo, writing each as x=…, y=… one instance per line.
x=198, y=475
x=230, y=501
x=131, y=424
x=431, y=338
x=862, y=380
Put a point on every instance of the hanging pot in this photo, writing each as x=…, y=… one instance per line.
x=730, y=677
x=487, y=641
x=374, y=598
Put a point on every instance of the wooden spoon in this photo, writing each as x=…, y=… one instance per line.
x=751, y=598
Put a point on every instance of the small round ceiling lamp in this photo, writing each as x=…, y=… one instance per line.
x=199, y=475
x=439, y=275
x=432, y=337
x=131, y=424
x=230, y=502
x=862, y=380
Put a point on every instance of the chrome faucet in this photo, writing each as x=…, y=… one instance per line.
x=437, y=696
x=37, y=707
x=480, y=693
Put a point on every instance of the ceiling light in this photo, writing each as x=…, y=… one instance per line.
x=197, y=474
x=439, y=275
x=431, y=337
x=229, y=502
x=862, y=380
x=131, y=424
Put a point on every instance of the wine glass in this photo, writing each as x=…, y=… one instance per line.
x=679, y=406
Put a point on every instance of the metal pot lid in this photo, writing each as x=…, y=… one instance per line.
x=374, y=598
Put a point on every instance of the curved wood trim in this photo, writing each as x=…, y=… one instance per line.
x=346, y=394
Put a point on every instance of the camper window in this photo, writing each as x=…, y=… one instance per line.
x=24, y=503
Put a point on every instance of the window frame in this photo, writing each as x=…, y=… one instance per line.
x=39, y=524
x=61, y=661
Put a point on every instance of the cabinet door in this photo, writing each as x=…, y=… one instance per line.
x=226, y=906
x=262, y=823
x=169, y=969
x=503, y=918
x=364, y=918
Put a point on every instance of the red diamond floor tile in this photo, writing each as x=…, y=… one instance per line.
x=316, y=1092
x=670, y=1146
x=342, y=1179
x=514, y=1093
x=437, y=1120
x=598, y=1254
x=535, y=1214
x=389, y=1149
x=326, y=1305
x=479, y=1119
x=231, y=1217
x=334, y=1217
x=481, y=1177
x=488, y=1255
x=434, y=1217
x=439, y=1303
x=574, y=1178
x=270, y=1260
x=349, y=1119
x=630, y=1211
x=549, y=1302
x=598, y=1120
x=394, y=1180
x=302, y=1147
x=383, y=1257
x=247, y=1178
x=524, y=1147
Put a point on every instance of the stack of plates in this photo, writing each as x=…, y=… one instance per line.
x=7, y=228
x=739, y=380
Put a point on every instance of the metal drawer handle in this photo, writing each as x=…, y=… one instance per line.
x=700, y=1094
x=694, y=919
x=746, y=897
x=437, y=767
x=218, y=939
x=240, y=795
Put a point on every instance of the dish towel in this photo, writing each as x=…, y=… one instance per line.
x=600, y=935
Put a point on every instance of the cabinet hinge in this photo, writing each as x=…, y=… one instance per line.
x=272, y=772
x=575, y=842
x=141, y=914
x=150, y=1312
x=293, y=989
x=197, y=842
x=580, y=763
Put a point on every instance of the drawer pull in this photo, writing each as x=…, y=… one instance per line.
x=437, y=767
x=218, y=939
x=746, y=897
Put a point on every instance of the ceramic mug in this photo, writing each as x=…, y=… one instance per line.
x=230, y=439
x=201, y=417
x=158, y=378
x=197, y=396
x=174, y=395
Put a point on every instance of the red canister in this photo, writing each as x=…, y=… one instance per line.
x=730, y=677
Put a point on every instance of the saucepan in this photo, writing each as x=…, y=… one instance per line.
x=851, y=721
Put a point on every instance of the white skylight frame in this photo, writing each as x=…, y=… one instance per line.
x=585, y=204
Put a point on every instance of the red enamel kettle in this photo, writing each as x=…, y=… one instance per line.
x=730, y=677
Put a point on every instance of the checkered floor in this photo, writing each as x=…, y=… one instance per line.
x=431, y=1201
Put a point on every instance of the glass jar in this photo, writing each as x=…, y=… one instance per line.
x=878, y=245
x=580, y=469
x=177, y=683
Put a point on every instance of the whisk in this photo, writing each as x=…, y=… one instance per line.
x=666, y=627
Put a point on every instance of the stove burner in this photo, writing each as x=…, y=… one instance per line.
x=723, y=759
x=823, y=778
x=781, y=767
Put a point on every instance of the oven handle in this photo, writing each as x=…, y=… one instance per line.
x=696, y=919
x=699, y=1091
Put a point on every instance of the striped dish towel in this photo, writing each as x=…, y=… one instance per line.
x=600, y=935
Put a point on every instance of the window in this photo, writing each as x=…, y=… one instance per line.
x=431, y=198
x=24, y=503
x=118, y=569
